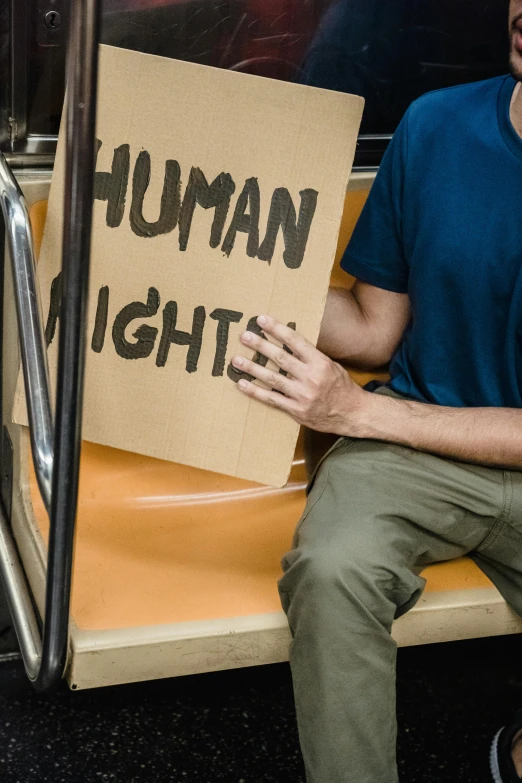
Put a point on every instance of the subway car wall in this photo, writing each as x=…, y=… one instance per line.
x=389, y=51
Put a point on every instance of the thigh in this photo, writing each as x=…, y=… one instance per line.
x=398, y=504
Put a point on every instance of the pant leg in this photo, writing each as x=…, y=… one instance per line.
x=376, y=514
x=500, y=555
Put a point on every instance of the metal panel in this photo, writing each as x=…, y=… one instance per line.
x=52, y=22
x=33, y=56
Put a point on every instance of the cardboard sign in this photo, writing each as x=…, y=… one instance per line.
x=218, y=197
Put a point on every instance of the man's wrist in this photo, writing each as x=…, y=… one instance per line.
x=379, y=417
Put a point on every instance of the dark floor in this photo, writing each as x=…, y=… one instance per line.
x=239, y=726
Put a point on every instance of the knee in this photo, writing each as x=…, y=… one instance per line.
x=325, y=570
x=327, y=589
x=368, y=575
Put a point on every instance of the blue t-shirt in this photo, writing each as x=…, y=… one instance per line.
x=443, y=223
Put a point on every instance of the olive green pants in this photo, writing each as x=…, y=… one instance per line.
x=376, y=515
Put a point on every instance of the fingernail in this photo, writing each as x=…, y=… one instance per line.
x=242, y=384
x=237, y=361
x=261, y=320
x=247, y=336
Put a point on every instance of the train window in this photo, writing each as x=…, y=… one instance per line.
x=393, y=51
x=389, y=51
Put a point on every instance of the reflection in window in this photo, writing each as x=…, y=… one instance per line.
x=389, y=51
x=264, y=37
x=393, y=51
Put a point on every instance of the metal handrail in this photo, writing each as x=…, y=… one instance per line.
x=30, y=328
x=56, y=458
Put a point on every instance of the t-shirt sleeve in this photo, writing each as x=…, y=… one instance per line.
x=375, y=253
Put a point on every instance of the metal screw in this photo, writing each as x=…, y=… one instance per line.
x=52, y=19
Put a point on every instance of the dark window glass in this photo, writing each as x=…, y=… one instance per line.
x=393, y=51
x=45, y=88
x=389, y=51
x=264, y=37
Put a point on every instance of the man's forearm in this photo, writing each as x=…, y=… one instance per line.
x=345, y=331
x=486, y=436
x=362, y=327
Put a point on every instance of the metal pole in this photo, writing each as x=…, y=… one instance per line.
x=82, y=75
x=45, y=659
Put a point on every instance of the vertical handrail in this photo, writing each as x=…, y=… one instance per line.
x=82, y=79
x=45, y=657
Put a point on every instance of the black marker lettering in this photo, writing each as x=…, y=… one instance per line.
x=224, y=319
x=100, y=322
x=295, y=233
x=238, y=375
x=172, y=335
x=217, y=195
x=145, y=335
x=54, y=309
x=291, y=325
x=170, y=198
x=112, y=187
x=248, y=222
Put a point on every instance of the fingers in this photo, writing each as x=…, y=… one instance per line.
x=299, y=346
x=271, y=398
x=284, y=387
x=274, y=380
x=290, y=364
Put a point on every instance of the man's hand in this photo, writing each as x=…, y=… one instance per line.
x=318, y=393
x=315, y=391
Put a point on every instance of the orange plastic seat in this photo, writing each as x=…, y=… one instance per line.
x=161, y=543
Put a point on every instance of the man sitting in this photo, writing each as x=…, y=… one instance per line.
x=428, y=468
